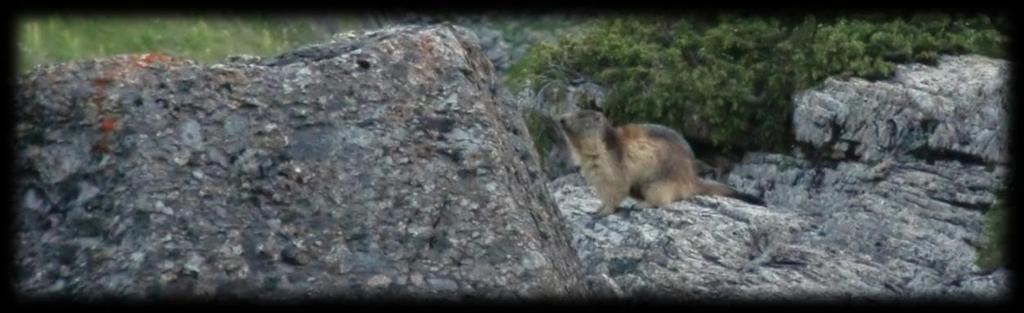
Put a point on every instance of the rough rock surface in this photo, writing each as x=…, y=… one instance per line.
x=505, y=36
x=880, y=220
x=720, y=249
x=956, y=108
x=902, y=169
x=384, y=163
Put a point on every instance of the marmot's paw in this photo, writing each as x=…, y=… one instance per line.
x=643, y=205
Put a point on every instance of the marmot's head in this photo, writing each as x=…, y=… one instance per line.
x=584, y=124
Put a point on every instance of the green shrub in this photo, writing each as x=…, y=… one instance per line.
x=993, y=253
x=729, y=80
x=541, y=131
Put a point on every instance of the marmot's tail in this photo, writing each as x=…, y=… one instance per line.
x=711, y=187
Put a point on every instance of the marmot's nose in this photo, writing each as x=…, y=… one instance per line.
x=561, y=121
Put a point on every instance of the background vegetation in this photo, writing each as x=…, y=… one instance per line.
x=993, y=253
x=735, y=76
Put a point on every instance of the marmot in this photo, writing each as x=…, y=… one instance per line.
x=648, y=162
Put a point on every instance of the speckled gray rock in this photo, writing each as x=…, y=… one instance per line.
x=902, y=170
x=505, y=36
x=496, y=37
x=720, y=249
x=387, y=163
x=925, y=217
x=491, y=40
x=908, y=184
x=958, y=107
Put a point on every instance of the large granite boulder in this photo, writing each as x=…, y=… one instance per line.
x=386, y=163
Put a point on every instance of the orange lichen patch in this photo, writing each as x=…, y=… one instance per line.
x=124, y=66
x=150, y=58
x=108, y=124
x=102, y=82
x=121, y=68
x=100, y=85
x=106, y=141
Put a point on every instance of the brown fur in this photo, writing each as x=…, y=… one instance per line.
x=648, y=162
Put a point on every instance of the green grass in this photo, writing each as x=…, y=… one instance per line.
x=206, y=39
